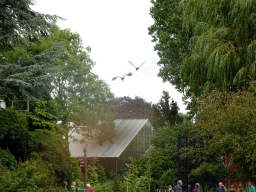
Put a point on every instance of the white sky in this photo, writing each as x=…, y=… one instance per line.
x=116, y=31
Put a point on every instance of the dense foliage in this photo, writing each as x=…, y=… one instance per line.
x=42, y=63
x=96, y=173
x=29, y=77
x=157, y=169
x=63, y=74
x=222, y=48
x=14, y=134
x=129, y=108
x=165, y=112
x=229, y=118
x=171, y=40
x=30, y=175
x=17, y=21
x=205, y=44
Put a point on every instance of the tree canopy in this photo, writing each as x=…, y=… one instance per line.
x=165, y=112
x=18, y=20
x=29, y=77
x=229, y=119
x=205, y=44
x=50, y=68
x=222, y=48
x=171, y=40
x=129, y=108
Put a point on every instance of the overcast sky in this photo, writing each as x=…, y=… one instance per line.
x=116, y=31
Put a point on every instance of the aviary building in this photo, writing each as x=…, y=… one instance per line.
x=132, y=139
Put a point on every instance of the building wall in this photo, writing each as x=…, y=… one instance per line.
x=139, y=145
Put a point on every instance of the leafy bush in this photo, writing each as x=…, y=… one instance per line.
x=44, y=116
x=76, y=173
x=7, y=159
x=32, y=175
x=107, y=186
x=53, y=150
x=14, y=133
x=96, y=173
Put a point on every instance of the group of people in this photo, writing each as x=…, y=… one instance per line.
x=221, y=187
x=73, y=187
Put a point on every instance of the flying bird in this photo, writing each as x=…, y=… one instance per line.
x=122, y=78
x=137, y=68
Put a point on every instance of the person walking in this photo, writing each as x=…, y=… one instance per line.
x=251, y=187
x=232, y=188
x=170, y=188
x=240, y=188
x=73, y=187
x=65, y=184
x=197, y=186
x=178, y=186
x=221, y=188
x=89, y=189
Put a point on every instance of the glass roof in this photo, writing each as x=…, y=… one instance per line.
x=126, y=130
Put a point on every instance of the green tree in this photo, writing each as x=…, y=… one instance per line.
x=222, y=48
x=7, y=159
x=14, y=133
x=129, y=108
x=26, y=77
x=171, y=40
x=29, y=176
x=44, y=115
x=81, y=97
x=96, y=173
x=29, y=77
x=229, y=118
x=165, y=112
x=17, y=21
x=205, y=44
x=131, y=177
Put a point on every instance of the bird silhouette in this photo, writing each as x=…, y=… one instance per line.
x=122, y=78
x=137, y=68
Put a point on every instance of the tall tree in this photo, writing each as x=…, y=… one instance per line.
x=18, y=20
x=30, y=76
x=171, y=40
x=81, y=96
x=129, y=108
x=205, y=44
x=229, y=118
x=165, y=112
x=84, y=98
x=26, y=77
x=222, y=49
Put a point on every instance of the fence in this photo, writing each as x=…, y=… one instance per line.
x=185, y=166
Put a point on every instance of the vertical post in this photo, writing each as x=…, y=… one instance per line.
x=116, y=166
x=28, y=105
x=85, y=168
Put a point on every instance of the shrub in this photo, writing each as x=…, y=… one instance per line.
x=32, y=175
x=96, y=173
x=7, y=159
x=14, y=133
x=107, y=186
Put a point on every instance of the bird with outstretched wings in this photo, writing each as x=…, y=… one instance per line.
x=122, y=78
x=137, y=68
